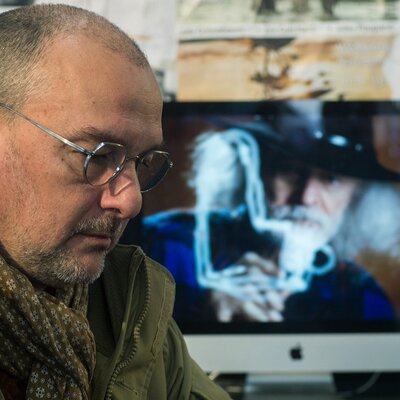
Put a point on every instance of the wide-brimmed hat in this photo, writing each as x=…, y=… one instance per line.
x=336, y=137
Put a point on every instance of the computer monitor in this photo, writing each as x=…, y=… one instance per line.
x=280, y=222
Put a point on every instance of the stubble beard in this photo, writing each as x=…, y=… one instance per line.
x=61, y=266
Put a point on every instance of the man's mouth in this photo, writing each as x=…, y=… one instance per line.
x=102, y=233
x=96, y=238
x=99, y=234
x=309, y=223
x=298, y=215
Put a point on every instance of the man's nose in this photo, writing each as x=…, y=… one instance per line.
x=123, y=194
x=310, y=192
x=302, y=190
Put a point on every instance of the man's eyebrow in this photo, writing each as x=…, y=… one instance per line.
x=158, y=146
x=96, y=135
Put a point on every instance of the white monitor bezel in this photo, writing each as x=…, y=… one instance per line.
x=270, y=353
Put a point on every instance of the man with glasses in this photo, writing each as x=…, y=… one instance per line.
x=80, y=141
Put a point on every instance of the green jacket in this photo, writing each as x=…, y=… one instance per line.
x=140, y=351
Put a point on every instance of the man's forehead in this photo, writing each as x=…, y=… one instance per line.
x=90, y=91
x=85, y=71
x=82, y=63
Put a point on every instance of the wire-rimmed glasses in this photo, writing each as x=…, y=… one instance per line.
x=107, y=160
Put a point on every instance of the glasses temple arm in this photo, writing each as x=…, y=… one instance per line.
x=48, y=131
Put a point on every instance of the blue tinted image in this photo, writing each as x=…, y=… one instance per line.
x=285, y=215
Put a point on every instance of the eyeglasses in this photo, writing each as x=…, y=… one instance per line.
x=107, y=160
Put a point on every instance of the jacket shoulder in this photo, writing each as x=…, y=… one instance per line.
x=124, y=262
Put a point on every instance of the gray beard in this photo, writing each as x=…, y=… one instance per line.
x=60, y=266
x=371, y=223
x=310, y=230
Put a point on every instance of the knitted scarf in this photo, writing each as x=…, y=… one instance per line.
x=45, y=340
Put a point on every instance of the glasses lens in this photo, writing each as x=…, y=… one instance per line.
x=106, y=161
x=151, y=169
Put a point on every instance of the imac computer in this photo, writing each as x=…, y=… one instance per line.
x=280, y=222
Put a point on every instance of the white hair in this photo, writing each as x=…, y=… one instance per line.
x=372, y=222
x=217, y=175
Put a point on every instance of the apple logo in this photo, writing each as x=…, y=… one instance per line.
x=296, y=352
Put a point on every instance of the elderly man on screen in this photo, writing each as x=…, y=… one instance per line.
x=283, y=208
x=326, y=212
x=80, y=138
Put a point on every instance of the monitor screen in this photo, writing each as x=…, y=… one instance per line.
x=280, y=222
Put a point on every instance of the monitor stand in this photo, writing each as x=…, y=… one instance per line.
x=305, y=386
x=278, y=386
x=290, y=386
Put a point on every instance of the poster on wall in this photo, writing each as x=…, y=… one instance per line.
x=252, y=50
x=270, y=50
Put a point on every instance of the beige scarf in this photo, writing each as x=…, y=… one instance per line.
x=45, y=340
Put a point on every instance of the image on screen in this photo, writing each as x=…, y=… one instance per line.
x=279, y=213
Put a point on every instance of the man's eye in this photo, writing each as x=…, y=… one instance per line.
x=330, y=178
x=290, y=177
x=146, y=159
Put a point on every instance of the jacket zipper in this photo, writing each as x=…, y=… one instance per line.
x=136, y=334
